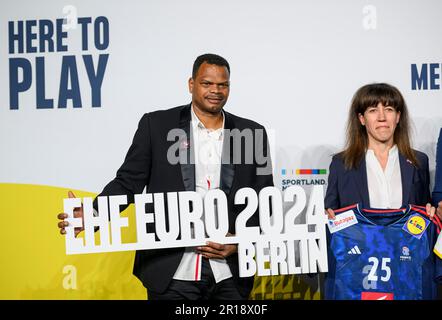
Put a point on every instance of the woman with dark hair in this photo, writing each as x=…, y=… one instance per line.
x=378, y=168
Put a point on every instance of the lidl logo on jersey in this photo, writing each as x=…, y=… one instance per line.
x=342, y=221
x=416, y=225
x=425, y=76
x=405, y=254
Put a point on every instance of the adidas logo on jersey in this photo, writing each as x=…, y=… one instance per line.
x=377, y=296
x=354, y=250
x=406, y=256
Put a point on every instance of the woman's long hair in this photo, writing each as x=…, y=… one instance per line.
x=367, y=96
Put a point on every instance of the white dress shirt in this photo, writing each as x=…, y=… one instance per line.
x=384, y=186
x=207, y=146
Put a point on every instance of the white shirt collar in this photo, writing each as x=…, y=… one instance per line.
x=197, y=124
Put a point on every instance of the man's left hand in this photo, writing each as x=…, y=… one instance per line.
x=215, y=250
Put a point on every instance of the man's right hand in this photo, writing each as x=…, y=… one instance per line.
x=330, y=213
x=78, y=212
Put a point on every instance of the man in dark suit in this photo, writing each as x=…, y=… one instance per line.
x=206, y=158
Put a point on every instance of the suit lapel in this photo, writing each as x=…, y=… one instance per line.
x=227, y=166
x=361, y=182
x=187, y=151
x=407, y=171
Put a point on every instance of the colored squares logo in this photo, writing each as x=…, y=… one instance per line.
x=304, y=171
x=311, y=171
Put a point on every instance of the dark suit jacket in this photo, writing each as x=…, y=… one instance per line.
x=146, y=164
x=347, y=187
x=437, y=192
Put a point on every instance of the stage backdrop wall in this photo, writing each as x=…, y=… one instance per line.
x=76, y=77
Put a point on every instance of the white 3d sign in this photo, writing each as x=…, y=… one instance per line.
x=288, y=247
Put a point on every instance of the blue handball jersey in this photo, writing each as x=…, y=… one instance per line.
x=387, y=255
